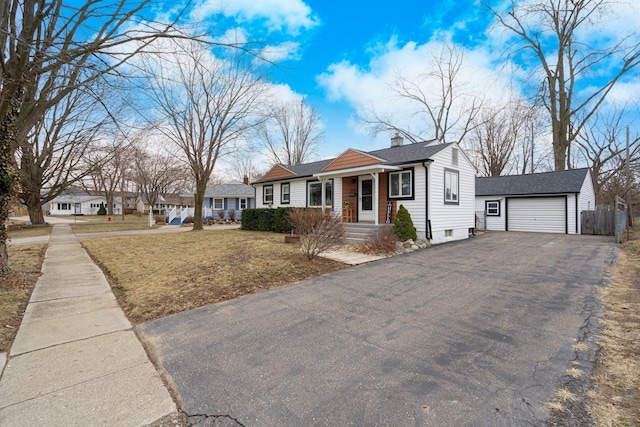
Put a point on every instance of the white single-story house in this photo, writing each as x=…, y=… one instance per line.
x=81, y=204
x=434, y=181
x=548, y=202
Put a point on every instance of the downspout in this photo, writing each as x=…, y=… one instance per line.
x=427, y=229
x=577, y=218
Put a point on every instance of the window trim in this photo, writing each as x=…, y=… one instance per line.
x=264, y=194
x=246, y=203
x=457, y=175
x=282, y=200
x=400, y=172
x=221, y=202
x=486, y=207
x=316, y=181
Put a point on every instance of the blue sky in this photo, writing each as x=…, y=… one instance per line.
x=343, y=56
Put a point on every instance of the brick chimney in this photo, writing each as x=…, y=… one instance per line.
x=396, y=140
x=245, y=179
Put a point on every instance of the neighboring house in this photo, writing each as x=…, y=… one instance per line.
x=234, y=195
x=81, y=203
x=434, y=181
x=164, y=204
x=231, y=196
x=549, y=202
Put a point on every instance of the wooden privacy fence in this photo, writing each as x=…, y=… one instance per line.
x=600, y=221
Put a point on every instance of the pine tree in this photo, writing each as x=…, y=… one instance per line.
x=404, y=225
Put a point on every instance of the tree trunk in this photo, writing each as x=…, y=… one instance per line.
x=34, y=206
x=201, y=187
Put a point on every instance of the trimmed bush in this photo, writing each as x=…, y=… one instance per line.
x=102, y=210
x=403, y=225
x=266, y=219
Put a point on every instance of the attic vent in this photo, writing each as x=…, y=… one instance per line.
x=396, y=140
x=454, y=157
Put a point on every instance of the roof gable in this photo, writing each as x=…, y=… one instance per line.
x=351, y=159
x=278, y=171
x=569, y=181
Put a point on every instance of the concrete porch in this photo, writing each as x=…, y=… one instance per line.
x=358, y=232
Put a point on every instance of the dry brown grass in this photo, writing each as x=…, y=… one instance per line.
x=100, y=223
x=615, y=399
x=16, y=288
x=154, y=276
x=29, y=231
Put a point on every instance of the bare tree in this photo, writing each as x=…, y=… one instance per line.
x=51, y=156
x=243, y=165
x=603, y=144
x=446, y=113
x=204, y=105
x=49, y=50
x=156, y=174
x=554, y=34
x=108, y=163
x=498, y=134
x=291, y=133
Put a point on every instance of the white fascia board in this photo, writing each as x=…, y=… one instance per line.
x=361, y=170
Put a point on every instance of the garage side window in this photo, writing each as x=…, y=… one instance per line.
x=492, y=207
x=451, y=187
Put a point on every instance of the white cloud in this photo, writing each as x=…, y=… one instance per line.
x=284, y=51
x=370, y=87
x=291, y=16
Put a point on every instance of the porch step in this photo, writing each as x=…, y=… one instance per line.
x=176, y=221
x=355, y=232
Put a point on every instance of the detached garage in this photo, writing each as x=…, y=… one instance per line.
x=549, y=202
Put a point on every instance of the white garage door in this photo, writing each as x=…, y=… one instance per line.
x=537, y=214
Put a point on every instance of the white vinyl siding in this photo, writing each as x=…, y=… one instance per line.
x=457, y=217
x=416, y=207
x=586, y=199
x=537, y=214
x=492, y=223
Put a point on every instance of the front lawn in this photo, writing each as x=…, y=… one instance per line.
x=16, y=287
x=101, y=223
x=157, y=275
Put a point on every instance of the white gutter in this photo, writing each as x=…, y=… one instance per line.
x=361, y=170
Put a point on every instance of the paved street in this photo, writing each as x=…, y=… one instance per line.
x=477, y=333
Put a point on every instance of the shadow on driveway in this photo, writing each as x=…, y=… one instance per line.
x=477, y=332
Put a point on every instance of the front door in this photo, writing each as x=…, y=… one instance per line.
x=365, y=199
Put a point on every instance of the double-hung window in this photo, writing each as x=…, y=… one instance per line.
x=314, y=193
x=285, y=193
x=243, y=204
x=401, y=184
x=267, y=195
x=218, y=204
x=451, y=187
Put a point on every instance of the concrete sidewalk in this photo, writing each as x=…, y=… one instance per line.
x=76, y=360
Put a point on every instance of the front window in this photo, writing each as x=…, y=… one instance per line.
x=267, y=194
x=401, y=184
x=285, y=190
x=492, y=207
x=217, y=203
x=243, y=204
x=451, y=187
x=64, y=206
x=314, y=193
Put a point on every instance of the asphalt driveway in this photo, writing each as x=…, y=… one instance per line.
x=471, y=333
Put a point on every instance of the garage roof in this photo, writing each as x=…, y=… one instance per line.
x=569, y=181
